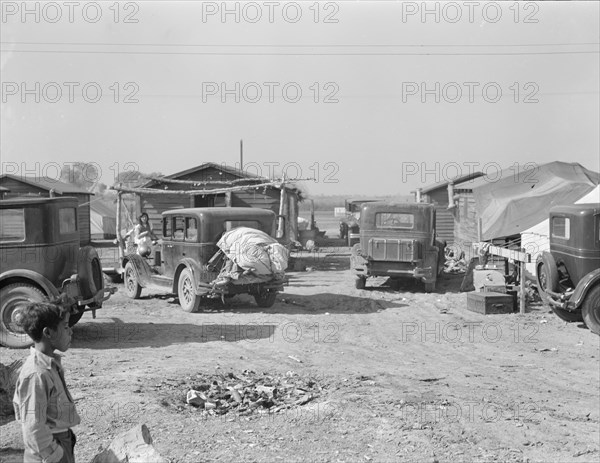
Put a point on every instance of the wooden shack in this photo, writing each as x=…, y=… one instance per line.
x=439, y=195
x=232, y=187
x=36, y=187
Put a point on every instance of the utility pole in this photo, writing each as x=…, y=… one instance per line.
x=242, y=155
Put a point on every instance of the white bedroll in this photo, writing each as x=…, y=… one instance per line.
x=252, y=257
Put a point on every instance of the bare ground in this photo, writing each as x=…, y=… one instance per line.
x=405, y=376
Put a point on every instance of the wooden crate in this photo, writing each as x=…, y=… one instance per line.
x=489, y=302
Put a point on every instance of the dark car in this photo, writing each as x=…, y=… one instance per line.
x=398, y=240
x=568, y=275
x=41, y=259
x=188, y=261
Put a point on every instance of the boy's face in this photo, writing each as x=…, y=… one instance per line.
x=61, y=337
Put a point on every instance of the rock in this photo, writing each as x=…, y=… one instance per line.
x=133, y=446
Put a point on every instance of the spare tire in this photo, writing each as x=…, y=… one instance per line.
x=89, y=271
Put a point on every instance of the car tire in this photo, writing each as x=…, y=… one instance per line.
x=590, y=309
x=11, y=297
x=74, y=318
x=130, y=280
x=188, y=299
x=266, y=299
x=547, y=274
x=360, y=283
x=89, y=271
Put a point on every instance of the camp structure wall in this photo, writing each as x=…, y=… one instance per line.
x=466, y=224
x=444, y=217
x=155, y=204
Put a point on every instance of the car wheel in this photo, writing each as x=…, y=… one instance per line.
x=13, y=297
x=360, y=282
x=188, y=299
x=266, y=299
x=591, y=309
x=566, y=315
x=75, y=317
x=89, y=271
x=547, y=274
x=132, y=287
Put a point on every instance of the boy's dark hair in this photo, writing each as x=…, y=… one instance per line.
x=39, y=315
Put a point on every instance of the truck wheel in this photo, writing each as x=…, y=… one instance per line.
x=266, y=299
x=591, y=310
x=360, y=283
x=89, y=271
x=13, y=297
x=188, y=299
x=132, y=287
x=430, y=287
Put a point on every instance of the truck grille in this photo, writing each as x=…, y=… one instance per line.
x=394, y=250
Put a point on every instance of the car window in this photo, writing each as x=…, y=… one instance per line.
x=167, y=228
x=179, y=228
x=67, y=220
x=231, y=224
x=561, y=227
x=12, y=225
x=394, y=220
x=191, y=229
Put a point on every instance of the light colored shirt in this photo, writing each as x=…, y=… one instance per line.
x=43, y=404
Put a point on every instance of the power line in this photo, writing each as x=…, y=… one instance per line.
x=300, y=45
x=113, y=52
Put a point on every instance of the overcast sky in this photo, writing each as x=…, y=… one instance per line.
x=370, y=97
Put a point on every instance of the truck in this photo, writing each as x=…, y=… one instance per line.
x=397, y=240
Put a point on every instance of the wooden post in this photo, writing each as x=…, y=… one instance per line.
x=522, y=298
x=228, y=199
x=281, y=222
x=120, y=243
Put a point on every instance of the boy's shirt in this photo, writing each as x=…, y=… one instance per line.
x=43, y=404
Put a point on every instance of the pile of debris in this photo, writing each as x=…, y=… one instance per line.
x=455, y=260
x=250, y=393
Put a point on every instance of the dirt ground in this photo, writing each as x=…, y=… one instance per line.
x=405, y=376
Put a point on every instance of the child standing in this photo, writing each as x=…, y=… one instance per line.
x=42, y=401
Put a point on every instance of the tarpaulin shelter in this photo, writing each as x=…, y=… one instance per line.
x=535, y=239
x=506, y=203
x=519, y=200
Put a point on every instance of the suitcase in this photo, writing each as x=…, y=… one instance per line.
x=489, y=302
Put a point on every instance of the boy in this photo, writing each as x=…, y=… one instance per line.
x=42, y=401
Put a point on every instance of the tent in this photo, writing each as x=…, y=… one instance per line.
x=535, y=239
x=518, y=199
x=103, y=221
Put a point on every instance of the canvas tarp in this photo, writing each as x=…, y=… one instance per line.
x=518, y=200
x=103, y=221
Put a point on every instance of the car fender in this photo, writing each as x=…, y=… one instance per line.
x=141, y=268
x=431, y=262
x=37, y=278
x=198, y=273
x=583, y=287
